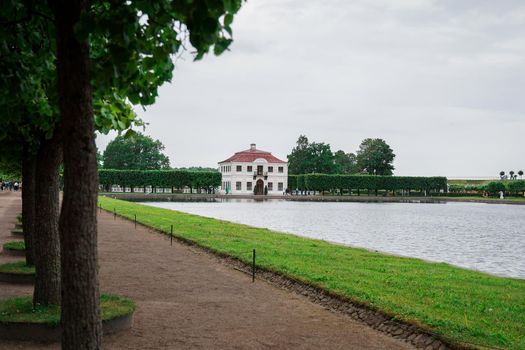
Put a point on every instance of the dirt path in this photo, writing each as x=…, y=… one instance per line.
x=10, y=207
x=186, y=300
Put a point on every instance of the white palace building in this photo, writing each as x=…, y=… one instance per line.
x=253, y=172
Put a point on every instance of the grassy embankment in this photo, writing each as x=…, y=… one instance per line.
x=462, y=305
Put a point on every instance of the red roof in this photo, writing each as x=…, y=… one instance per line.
x=249, y=155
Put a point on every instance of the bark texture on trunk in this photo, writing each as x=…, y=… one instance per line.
x=28, y=202
x=81, y=324
x=46, y=242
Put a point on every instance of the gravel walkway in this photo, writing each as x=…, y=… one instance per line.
x=187, y=300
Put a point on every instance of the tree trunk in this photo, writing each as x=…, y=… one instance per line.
x=46, y=242
x=80, y=311
x=28, y=202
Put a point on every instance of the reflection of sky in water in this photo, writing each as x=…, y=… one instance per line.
x=486, y=237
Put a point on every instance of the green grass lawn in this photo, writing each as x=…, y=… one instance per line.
x=19, y=267
x=15, y=245
x=21, y=310
x=460, y=304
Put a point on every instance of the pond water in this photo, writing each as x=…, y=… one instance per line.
x=485, y=237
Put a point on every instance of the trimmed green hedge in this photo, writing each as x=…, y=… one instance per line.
x=514, y=187
x=325, y=182
x=160, y=178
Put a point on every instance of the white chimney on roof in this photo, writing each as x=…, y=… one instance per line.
x=252, y=146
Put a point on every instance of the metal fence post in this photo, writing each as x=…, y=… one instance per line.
x=253, y=267
x=135, y=221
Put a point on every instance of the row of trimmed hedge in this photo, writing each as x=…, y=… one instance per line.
x=513, y=186
x=160, y=178
x=326, y=182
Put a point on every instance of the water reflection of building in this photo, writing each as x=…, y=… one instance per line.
x=254, y=172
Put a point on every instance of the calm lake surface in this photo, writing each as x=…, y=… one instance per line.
x=485, y=237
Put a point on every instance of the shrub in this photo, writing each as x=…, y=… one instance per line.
x=495, y=187
x=160, y=178
x=516, y=186
x=325, y=182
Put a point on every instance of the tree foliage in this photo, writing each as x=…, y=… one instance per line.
x=135, y=152
x=109, y=55
x=375, y=157
x=495, y=187
x=345, y=163
x=312, y=157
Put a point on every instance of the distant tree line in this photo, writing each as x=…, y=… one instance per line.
x=342, y=183
x=374, y=157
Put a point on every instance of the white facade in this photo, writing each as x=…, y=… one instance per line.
x=253, y=172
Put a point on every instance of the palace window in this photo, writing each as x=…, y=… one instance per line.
x=270, y=186
x=238, y=186
x=280, y=186
x=270, y=169
x=239, y=168
x=248, y=186
x=281, y=169
x=250, y=168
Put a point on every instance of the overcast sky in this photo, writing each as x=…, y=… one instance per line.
x=441, y=81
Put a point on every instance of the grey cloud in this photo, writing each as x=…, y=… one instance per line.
x=441, y=81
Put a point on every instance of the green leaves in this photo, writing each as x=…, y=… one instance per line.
x=132, y=44
x=112, y=112
x=311, y=158
x=135, y=151
x=375, y=157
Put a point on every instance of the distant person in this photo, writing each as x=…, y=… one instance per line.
x=15, y=186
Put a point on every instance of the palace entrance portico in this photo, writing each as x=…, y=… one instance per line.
x=259, y=187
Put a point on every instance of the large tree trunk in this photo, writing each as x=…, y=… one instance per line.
x=81, y=324
x=28, y=202
x=46, y=242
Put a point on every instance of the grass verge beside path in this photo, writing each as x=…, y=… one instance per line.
x=15, y=245
x=19, y=267
x=460, y=304
x=21, y=310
